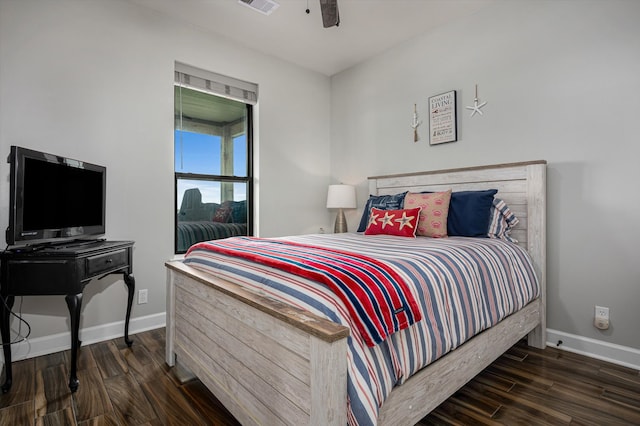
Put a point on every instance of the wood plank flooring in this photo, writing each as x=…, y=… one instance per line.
x=133, y=386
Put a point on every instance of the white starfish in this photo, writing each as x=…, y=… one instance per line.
x=476, y=108
x=405, y=221
x=387, y=220
x=372, y=218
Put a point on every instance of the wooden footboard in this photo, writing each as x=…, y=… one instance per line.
x=267, y=362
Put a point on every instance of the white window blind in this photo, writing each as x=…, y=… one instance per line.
x=217, y=84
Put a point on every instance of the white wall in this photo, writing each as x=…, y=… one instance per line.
x=93, y=80
x=561, y=83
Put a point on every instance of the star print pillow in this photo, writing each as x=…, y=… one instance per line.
x=433, y=214
x=393, y=222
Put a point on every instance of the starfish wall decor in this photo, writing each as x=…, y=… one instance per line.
x=476, y=107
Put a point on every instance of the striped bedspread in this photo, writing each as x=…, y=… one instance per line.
x=463, y=286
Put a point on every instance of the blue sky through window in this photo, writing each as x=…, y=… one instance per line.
x=200, y=154
x=197, y=153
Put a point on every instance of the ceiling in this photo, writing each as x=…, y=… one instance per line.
x=367, y=27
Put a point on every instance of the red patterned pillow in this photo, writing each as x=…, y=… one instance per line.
x=393, y=222
x=434, y=213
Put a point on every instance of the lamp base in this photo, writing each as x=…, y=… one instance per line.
x=341, y=223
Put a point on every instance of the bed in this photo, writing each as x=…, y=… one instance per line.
x=268, y=334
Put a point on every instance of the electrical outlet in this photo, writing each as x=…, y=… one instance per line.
x=601, y=320
x=142, y=296
x=602, y=312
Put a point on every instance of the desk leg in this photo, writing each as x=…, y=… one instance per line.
x=74, y=302
x=5, y=311
x=131, y=285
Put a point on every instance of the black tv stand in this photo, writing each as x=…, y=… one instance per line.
x=61, y=270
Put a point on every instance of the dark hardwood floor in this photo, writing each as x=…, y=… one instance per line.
x=127, y=386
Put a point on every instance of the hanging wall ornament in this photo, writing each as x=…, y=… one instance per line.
x=415, y=123
x=476, y=107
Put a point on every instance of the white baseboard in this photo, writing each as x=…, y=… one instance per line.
x=616, y=354
x=59, y=342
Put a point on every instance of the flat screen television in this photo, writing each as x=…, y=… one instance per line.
x=54, y=198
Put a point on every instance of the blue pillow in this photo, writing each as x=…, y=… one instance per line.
x=382, y=202
x=469, y=213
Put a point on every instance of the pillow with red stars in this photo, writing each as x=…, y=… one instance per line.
x=402, y=223
x=434, y=213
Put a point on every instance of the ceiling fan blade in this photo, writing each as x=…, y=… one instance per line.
x=330, y=15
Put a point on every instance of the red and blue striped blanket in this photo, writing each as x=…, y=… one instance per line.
x=376, y=296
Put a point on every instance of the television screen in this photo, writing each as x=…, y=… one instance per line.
x=54, y=198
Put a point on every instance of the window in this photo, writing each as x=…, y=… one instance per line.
x=213, y=156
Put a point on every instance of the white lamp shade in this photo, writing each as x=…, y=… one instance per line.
x=341, y=197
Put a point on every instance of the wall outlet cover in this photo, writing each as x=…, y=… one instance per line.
x=142, y=296
x=602, y=312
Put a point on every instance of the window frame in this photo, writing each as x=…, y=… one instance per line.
x=249, y=179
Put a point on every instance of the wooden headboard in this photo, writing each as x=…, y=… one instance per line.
x=521, y=185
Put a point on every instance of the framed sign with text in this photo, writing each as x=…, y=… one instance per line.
x=443, y=126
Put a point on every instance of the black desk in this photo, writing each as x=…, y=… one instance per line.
x=61, y=270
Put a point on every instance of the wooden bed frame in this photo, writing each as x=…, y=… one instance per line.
x=270, y=363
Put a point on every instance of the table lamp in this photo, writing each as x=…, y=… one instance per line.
x=341, y=197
